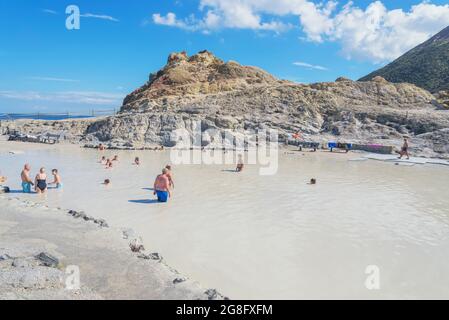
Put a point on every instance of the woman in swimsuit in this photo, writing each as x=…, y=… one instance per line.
x=41, y=181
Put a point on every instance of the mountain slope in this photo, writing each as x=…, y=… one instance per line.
x=426, y=66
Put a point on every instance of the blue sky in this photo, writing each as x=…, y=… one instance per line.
x=45, y=67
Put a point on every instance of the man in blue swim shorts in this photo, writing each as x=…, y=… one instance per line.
x=162, y=186
x=26, y=180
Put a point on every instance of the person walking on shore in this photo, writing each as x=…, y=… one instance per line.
x=162, y=186
x=404, y=150
x=26, y=180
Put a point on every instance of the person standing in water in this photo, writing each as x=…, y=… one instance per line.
x=41, y=181
x=56, y=179
x=170, y=176
x=2, y=179
x=26, y=180
x=404, y=150
x=137, y=161
x=108, y=164
x=240, y=164
x=162, y=186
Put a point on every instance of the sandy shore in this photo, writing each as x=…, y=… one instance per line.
x=108, y=269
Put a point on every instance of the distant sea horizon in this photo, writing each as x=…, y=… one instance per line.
x=18, y=116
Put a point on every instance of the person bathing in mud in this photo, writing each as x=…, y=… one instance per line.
x=103, y=160
x=137, y=161
x=404, y=150
x=170, y=176
x=101, y=147
x=108, y=164
x=115, y=158
x=40, y=184
x=240, y=164
x=57, y=182
x=26, y=180
x=162, y=186
x=2, y=179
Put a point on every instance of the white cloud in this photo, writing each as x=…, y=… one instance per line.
x=382, y=35
x=373, y=33
x=222, y=14
x=310, y=66
x=171, y=21
x=84, y=97
x=52, y=79
x=99, y=16
x=49, y=11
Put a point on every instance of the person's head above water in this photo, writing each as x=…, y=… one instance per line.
x=107, y=181
x=313, y=181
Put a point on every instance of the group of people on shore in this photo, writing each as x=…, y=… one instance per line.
x=39, y=183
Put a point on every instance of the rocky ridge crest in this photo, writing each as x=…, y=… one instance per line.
x=227, y=96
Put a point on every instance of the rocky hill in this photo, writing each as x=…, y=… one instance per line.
x=231, y=97
x=427, y=65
